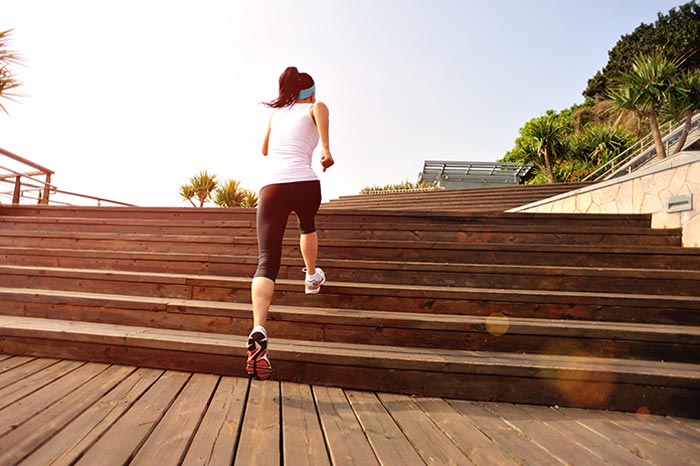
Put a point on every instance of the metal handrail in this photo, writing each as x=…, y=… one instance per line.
x=44, y=188
x=646, y=144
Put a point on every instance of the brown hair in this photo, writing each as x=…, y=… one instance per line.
x=291, y=82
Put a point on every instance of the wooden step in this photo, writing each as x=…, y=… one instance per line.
x=473, y=199
x=532, y=277
x=634, y=256
x=460, y=233
x=479, y=333
x=569, y=305
x=660, y=387
x=182, y=215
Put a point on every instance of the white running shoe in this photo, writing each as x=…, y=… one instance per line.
x=313, y=285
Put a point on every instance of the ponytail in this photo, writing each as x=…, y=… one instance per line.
x=291, y=82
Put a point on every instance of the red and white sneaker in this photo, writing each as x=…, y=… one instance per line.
x=313, y=283
x=258, y=364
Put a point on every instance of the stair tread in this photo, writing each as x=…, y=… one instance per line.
x=408, y=266
x=330, y=224
x=372, y=288
x=369, y=318
x=631, y=371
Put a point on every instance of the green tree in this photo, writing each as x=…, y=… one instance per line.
x=676, y=33
x=187, y=193
x=647, y=89
x=686, y=102
x=543, y=142
x=8, y=81
x=250, y=198
x=201, y=187
x=232, y=194
x=598, y=143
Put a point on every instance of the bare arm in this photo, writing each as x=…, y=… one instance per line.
x=267, y=137
x=320, y=114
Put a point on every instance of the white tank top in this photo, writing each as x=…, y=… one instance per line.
x=293, y=138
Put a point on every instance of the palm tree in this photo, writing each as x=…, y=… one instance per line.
x=201, y=186
x=250, y=199
x=231, y=194
x=8, y=82
x=689, y=103
x=545, y=138
x=646, y=89
x=187, y=192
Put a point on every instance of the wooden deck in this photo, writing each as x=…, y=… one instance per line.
x=57, y=412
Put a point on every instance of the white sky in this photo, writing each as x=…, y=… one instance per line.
x=128, y=99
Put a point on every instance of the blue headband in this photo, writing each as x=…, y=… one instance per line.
x=306, y=93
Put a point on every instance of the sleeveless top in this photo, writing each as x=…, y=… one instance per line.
x=293, y=138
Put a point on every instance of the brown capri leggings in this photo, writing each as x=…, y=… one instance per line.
x=276, y=202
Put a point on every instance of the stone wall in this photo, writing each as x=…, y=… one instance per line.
x=646, y=191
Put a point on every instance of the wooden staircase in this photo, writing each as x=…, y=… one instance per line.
x=484, y=199
x=596, y=311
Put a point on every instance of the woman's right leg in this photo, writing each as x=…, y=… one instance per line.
x=271, y=221
x=261, y=293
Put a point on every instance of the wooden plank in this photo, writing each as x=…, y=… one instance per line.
x=548, y=437
x=347, y=443
x=22, y=367
x=682, y=431
x=649, y=428
x=16, y=414
x=9, y=362
x=504, y=434
x=388, y=442
x=610, y=451
x=260, y=438
x=20, y=442
x=430, y=442
x=302, y=439
x=125, y=437
x=33, y=381
x=217, y=436
x=70, y=443
x=168, y=443
x=597, y=422
x=466, y=436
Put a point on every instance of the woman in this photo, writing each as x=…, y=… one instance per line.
x=293, y=132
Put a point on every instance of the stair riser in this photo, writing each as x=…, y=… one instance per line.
x=392, y=332
x=478, y=305
x=468, y=255
x=478, y=237
x=535, y=280
x=481, y=304
x=358, y=216
x=550, y=388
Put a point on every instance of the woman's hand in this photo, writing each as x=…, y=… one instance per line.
x=326, y=159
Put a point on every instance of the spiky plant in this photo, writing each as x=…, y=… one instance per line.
x=8, y=82
x=646, y=88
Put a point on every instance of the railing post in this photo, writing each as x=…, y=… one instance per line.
x=47, y=190
x=18, y=187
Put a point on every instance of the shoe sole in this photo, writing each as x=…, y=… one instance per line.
x=315, y=290
x=257, y=364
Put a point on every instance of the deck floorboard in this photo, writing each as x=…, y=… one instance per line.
x=65, y=412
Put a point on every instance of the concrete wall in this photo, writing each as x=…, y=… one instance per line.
x=646, y=191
